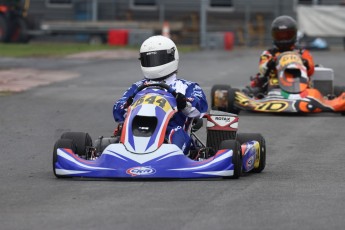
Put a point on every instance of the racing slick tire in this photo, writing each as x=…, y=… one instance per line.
x=245, y=137
x=236, y=157
x=227, y=103
x=81, y=140
x=62, y=143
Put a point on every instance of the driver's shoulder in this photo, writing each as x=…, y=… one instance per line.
x=140, y=82
x=185, y=82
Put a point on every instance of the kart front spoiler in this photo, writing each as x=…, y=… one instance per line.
x=314, y=103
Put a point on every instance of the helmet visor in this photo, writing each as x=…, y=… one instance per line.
x=284, y=35
x=157, y=58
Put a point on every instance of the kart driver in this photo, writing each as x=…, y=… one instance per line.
x=159, y=60
x=284, y=33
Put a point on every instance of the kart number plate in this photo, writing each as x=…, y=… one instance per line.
x=289, y=59
x=155, y=100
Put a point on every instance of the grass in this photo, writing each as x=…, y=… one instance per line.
x=48, y=49
x=62, y=49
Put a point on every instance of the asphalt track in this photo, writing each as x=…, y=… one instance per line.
x=302, y=186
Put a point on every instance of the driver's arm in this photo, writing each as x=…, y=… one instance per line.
x=197, y=102
x=120, y=109
x=308, y=62
x=265, y=58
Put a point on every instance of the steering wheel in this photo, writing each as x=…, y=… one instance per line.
x=160, y=85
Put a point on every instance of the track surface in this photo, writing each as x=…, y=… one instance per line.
x=302, y=186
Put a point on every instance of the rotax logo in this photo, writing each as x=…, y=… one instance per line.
x=227, y=119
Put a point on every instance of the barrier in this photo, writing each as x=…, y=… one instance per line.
x=166, y=29
x=229, y=40
x=118, y=37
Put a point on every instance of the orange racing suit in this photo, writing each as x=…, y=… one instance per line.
x=267, y=72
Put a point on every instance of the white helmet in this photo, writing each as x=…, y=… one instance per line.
x=159, y=57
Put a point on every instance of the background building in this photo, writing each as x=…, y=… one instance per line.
x=191, y=22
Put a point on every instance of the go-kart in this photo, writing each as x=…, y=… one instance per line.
x=142, y=151
x=293, y=94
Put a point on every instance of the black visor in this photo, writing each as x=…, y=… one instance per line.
x=284, y=35
x=157, y=58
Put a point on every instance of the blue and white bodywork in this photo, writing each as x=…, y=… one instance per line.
x=142, y=151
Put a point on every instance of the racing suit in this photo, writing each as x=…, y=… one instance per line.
x=267, y=76
x=179, y=123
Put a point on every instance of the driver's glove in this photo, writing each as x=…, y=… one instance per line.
x=271, y=64
x=306, y=63
x=117, y=131
x=181, y=101
x=128, y=102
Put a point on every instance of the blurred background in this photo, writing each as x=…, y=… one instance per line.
x=214, y=24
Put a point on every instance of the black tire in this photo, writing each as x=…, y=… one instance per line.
x=229, y=105
x=19, y=33
x=4, y=29
x=81, y=140
x=236, y=158
x=102, y=143
x=245, y=137
x=62, y=143
x=338, y=90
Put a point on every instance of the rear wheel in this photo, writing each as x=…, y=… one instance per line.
x=223, y=98
x=62, y=143
x=81, y=140
x=245, y=137
x=236, y=157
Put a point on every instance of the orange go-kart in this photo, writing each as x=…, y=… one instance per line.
x=293, y=94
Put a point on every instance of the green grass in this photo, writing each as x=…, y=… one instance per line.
x=49, y=49
x=62, y=49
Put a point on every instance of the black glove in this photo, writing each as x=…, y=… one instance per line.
x=306, y=63
x=129, y=102
x=271, y=64
x=181, y=101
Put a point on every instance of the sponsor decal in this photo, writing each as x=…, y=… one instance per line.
x=151, y=53
x=141, y=171
x=190, y=99
x=250, y=162
x=227, y=119
x=156, y=100
x=289, y=58
x=268, y=106
x=258, y=154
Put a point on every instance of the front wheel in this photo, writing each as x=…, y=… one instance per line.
x=62, y=143
x=235, y=146
x=245, y=137
x=81, y=140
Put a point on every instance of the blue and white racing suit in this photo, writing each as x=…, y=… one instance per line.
x=179, y=123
